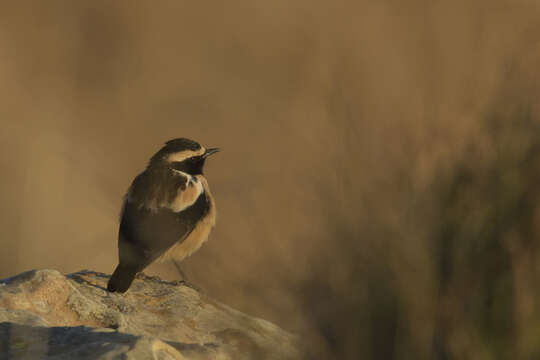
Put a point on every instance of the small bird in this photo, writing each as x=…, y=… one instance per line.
x=167, y=213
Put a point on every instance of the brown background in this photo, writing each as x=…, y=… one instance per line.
x=376, y=190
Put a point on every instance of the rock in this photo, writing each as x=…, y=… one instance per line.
x=46, y=315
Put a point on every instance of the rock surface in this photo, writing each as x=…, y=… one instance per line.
x=47, y=315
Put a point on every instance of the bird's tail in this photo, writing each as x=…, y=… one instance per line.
x=122, y=278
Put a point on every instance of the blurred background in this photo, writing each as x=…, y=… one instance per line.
x=379, y=182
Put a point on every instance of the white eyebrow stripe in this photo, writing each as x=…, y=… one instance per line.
x=183, y=155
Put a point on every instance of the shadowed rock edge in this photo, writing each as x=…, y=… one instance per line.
x=48, y=315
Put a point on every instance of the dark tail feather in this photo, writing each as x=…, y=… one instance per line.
x=122, y=278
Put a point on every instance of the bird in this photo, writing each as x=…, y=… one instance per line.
x=167, y=212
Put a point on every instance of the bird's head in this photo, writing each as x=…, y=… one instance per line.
x=182, y=154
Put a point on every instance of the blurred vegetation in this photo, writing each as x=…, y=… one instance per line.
x=481, y=220
x=486, y=245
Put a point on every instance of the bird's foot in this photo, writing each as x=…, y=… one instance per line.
x=143, y=276
x=140, y=275
x=190, y=285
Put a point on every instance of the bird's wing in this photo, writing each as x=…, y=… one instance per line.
x=154, y=189
x=152, y=224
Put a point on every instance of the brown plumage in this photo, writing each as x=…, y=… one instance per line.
x=168, y=211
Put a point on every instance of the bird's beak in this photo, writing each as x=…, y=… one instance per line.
x=210, y=151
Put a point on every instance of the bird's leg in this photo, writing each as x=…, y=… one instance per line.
x=184, y=278
x=179, y=269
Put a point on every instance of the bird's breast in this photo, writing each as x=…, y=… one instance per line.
x=187, y=195
x=200, y=232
